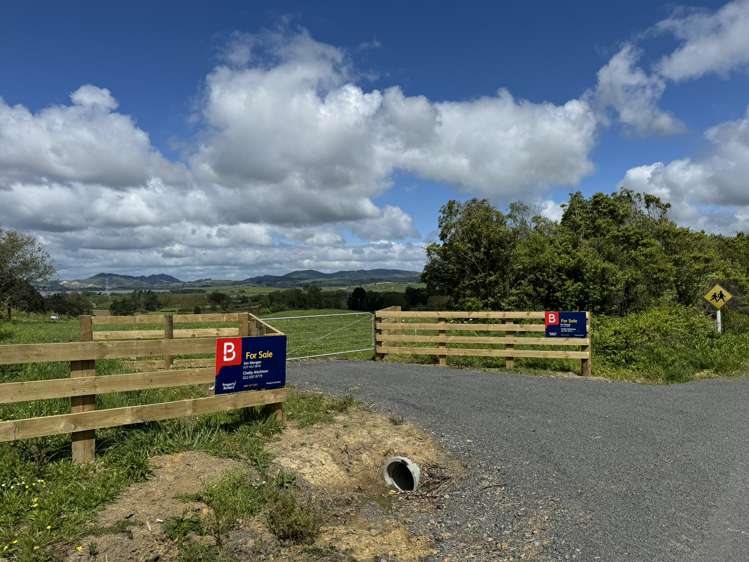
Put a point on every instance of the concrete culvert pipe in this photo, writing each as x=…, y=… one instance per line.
x=402, y=474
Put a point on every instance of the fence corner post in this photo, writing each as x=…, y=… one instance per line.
x=83, y=442
x=244, y=324
x=586, y=367
x=169, y=335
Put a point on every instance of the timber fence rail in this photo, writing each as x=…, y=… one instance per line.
x=449, y=332
x=83, y=384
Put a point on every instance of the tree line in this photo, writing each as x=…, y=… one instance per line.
x=610, y=253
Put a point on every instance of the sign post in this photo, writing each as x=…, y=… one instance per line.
x=250, y=363
x=718, y=297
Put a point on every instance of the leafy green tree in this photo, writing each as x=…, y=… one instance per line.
x=219, y=300
x=69, y=304
x=358, y=299
x=27, y=298
x=23, y=260
x=610, y=254
x=149, y=301
x=124, y=306
x=416, y=296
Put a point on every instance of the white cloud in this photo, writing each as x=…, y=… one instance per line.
x=710, y=42
x=551, y=210
x=495, y=146
x=84, y=142
x=392, y=224
x=708, y=192
x=91, y=96
x=633, y=95
x=290, y=152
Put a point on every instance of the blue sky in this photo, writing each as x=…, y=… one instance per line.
x=241, y=138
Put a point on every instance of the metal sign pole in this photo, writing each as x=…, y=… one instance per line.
x=718, y=323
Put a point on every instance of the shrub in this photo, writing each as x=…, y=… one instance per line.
x=666, y=344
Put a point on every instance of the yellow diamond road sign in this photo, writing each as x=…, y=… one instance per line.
x=718, y=296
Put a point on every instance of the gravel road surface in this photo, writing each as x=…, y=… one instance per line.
x=569, y=468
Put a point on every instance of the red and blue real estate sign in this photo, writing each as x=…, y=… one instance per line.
x=566, y=324
x=250, y=363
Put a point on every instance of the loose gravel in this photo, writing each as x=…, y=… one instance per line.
x=563, y=468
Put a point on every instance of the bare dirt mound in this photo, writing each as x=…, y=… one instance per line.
x=343, y=461
x=338, y=470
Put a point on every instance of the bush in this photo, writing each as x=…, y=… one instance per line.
x=69, y=304
x=666, y=344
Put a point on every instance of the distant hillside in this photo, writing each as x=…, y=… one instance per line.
x=337, y=279
x=117, y=281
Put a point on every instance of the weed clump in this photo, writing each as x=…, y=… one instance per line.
x=292, y=521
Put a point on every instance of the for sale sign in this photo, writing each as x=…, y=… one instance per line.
x=252, y=363
x=566, y=324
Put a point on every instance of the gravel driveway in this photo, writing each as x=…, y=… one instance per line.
x=587, y=469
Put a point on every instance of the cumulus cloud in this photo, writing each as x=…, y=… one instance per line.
x=495, y=146
x=299, y=130
x=708, y=192
x=85, y=141
x=710, y=41
x=551, y=210
x=291, y=152
x=633, y=95
x=392, y=224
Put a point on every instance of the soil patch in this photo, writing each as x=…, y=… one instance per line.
x=337, y=469
x=131, y=527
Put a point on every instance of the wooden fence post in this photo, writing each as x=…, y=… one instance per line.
x=275, y=410
x=442, y=357
x=509, y=361
x=586, y=367
x=377, y=333
x=84, y=442
x=244, y=324
x=169, y=335
x=250, y=326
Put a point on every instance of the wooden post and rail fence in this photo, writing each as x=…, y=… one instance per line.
x=396, y=331
x=84, y=385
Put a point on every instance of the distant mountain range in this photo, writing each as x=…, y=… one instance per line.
x=116, y=281
x=337, y=279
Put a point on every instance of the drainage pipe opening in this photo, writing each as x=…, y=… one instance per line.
x=402, y=474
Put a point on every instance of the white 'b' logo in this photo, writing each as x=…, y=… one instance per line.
x=230, y=351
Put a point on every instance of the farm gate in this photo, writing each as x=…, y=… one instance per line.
x=326, y=335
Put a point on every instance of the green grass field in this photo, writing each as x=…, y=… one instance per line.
x=325, y=332
x=309, y=332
